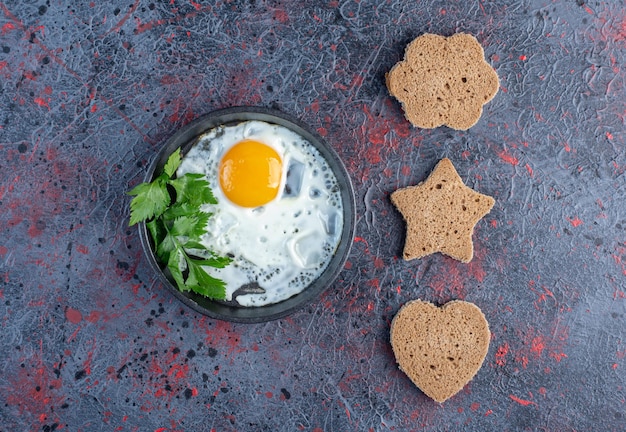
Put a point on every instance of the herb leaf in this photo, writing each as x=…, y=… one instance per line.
x=177, y=226
x=193, y=189
x=157, y=230
x=151, y=200
x=192, y=226
x=172, y=164
x=173, y=264
x=201, y=282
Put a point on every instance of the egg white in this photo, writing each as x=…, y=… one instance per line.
x=285, y=244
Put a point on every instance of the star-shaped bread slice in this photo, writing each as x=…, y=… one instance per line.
x=440, y=214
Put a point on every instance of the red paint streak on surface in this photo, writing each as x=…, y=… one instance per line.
x=3, y=64
x=575, y=221
x=73, y=316
x=93, y=317
x=178, y=371
x=620, y=252
x=542, y=297
x=537, y=346
x=170, y=80
x=376, y=136
x=222, y=336
x=73, y=335
x=452, y=284
x=379, y=263
x=529, y=169
x=522, y=402
x=7, y=28
x=141, y=27
x=475, y=268
x=34, y=230
x=449, y=285
x=42, y=102
x=558, y=356
x=3, y=250
x=375, y=283
x=30, y=75
x=122, y=21
x=87, y=362
x=361, y=240
x=488, y=413
x=281, y=16
x=34, y=390
x=380, y=136
x=82, y=249
x=503, y=350
x=523, y=57
x=508, y=158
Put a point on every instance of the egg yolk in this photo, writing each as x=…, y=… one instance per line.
x=250, y=173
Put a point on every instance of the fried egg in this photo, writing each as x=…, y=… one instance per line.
x=279, y=213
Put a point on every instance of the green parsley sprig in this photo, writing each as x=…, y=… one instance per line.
x=171, y=209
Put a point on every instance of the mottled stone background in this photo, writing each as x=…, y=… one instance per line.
x=91, y=341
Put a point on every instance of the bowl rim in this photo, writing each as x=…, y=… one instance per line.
x=185, y=138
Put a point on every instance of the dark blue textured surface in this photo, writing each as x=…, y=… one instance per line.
x=91, y=341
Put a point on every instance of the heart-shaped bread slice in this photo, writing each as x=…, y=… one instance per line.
x=440, y=348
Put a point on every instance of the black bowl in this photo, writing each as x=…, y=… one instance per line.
x=185, y=138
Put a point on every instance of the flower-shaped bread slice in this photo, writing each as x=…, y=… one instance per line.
x=443, y=81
